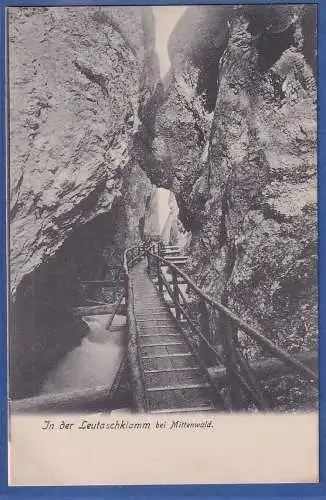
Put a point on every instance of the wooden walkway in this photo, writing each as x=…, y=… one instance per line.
x=173, y=377
x=166, y=373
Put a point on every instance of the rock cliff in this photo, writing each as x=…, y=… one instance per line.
x=231, y=132
x=235, y=139
x=79, y=81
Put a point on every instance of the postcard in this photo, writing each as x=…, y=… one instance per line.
x=162, y=242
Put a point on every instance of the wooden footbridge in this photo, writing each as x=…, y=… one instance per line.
x=184, y=350
x=177, y=334
x=170, y=375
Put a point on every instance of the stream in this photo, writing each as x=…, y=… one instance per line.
x=94, y=362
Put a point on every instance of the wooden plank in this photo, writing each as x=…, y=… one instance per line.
x=169, y=362
x=185, y=410
x=176, y=260
x=163, y=349
x=187, y=368
x=144, y=341
x=175, y=251
x=167, y=355
x=104, y=283
x=153, y=323
x=178, y=387
x=175, y=378
x=98, y=310
x=163, y=344
x=180, y=398
x=150, y=314
x=158, y=334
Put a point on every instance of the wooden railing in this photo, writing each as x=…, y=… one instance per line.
x=131, y=256
x=233, y=368
x=242, y=382
x=83, y=399
x=98, y=396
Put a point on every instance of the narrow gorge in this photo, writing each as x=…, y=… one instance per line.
x=96, y=132
x=79, y=81
x=235, y=139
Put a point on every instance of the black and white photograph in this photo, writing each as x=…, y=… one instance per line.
x=162, y=244
x=162, y=186
x=162, y=240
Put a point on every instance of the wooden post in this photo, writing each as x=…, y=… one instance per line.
x=230, y=362
x=159, y=277
x=148, y=262
x=126, y=285
x=149, y=258
x=114, y=312
x=207, y=355
x=137, y=384
x=175, y=293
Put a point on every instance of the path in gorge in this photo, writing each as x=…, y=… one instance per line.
x=96, y=361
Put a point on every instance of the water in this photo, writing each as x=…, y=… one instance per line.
x=94, y=363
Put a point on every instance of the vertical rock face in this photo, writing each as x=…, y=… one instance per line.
x=79, y=81
x=232, y=132
x=235, y=139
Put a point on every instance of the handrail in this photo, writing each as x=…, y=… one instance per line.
x=137, y=383
x=79, y=398
x=191, y=323
x=260, y=338
x=268, y=367
x=138, y=389
x=193, y=327
x=141, y=250
x=82, y=398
